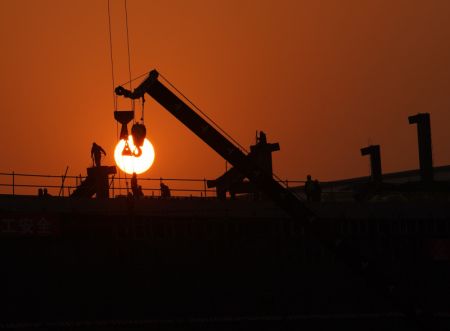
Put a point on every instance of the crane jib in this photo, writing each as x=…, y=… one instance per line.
x=217, y=141
x=284, y=198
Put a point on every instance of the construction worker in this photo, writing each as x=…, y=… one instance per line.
x=165, y=190
x=140, y=192
x=134, y=185
x=96, y=154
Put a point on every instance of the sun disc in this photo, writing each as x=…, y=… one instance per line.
x=130, y=164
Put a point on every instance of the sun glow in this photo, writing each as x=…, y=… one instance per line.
x=130, y=164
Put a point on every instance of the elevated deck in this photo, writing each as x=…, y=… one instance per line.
x=89, y=260
x=214, y=208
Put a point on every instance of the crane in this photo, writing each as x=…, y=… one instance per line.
x=265, y=182
x=217, y=141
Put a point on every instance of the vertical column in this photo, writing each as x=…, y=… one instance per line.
x=424, y=141
x=375, y=161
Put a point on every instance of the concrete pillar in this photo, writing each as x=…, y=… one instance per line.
x=424, y=141
x=375, y=161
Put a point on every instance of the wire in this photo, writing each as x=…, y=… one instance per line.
x=129, y=58
x=132, y=80
x=111, y=55
x=142, y=113
x=217, y=126
x=210, y=119
x=128, y=45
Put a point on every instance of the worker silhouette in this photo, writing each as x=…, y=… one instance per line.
x=140, y=193
x=309, y=188
x=313, y=190
x=96, y=154
x=135, y=188
x=165, y=191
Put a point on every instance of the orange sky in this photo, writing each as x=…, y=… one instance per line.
x=322, y=78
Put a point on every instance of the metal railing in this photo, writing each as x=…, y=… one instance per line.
x=178, y=186
x=63, y=185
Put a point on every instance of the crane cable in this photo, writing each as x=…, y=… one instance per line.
x=214, y=124
x=115, y=101
x=205, y=115
x=129, y=64
x=112, y=77
x=111, y=57
x=128, y=49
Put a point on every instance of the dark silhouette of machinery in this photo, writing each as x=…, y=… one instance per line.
x=262, y=179
x=138, y=132
x=258, y=175
x=124, y=117
x=234, y=182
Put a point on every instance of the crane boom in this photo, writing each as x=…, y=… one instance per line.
x=284, y=198
x=217, y=141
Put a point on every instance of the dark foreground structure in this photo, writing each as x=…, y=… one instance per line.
x=197, y=263
x=275, y=263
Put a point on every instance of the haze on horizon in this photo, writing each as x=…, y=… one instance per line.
x=322, y=78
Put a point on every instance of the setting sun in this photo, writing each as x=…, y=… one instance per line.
x=130, y=164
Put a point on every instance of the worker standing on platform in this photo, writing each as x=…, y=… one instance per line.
x=96, y=154
x=165, y=190
x=309, y=188
x=134, y=185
